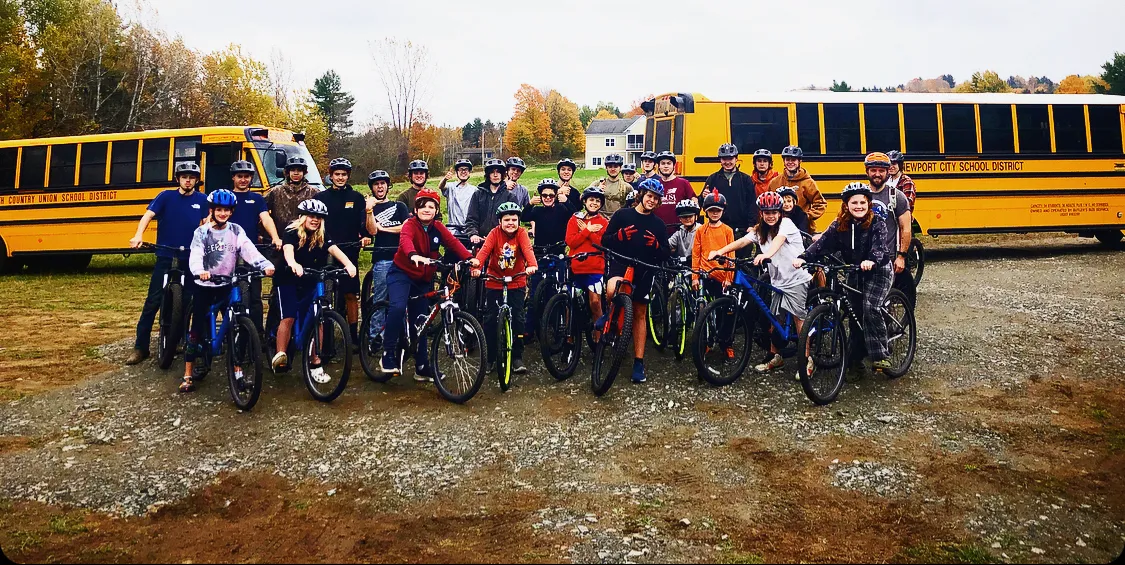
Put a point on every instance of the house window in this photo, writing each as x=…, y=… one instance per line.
x=610, y=142
x=635, y=142
x=597, y=161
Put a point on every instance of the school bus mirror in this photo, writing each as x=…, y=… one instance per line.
x=648, y=107
x=279, y=172
x=279, y=159
x=298, y=137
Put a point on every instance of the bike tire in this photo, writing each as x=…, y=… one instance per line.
x=369, y=359
x=244, y=350
x=504, y=349
x=473, y=295
x=610, y=349
x=328, y=319
x=559, y=342
x=709, y=347
x=656, y=316
x=916, y=260
x=465, y=328
x=902, y=333
x=822, y=387
x=678, y=324
x=171, y=324
x=365, y=290
x=544, y=292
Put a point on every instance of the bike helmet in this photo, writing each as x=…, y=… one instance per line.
x=687, y=207
x=223, y=198
x=648, y=156
x=629, y=168
x=877, y=159
x=896, y=156
x=492, y=164
x=378, y=175
x=665, y=155
x=728, y=150
x=517, y=163
x=763, y=154
x=594, y=192
x=187, y=168
x=339, y=164
x=418, y=165
x=241, y=167
x=652, y=185
x=566, y=163
x=427, y=194
x=313, y=207
x=791, y=191
x=463, y=163
x=631, y=198
x=614, y=159
x=855, y=188
x=793, y=151
x=769, y=202
x=715, y=200
x=506, y=208
x=548, y=183
x=296, y=163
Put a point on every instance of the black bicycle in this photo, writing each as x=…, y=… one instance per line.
x=237, y=338
x=684, y=305
x=565, y=319
x=504, y=336
x=549, y=279
x=175, y=309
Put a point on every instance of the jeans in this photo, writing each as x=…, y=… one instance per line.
x=400, y=287
x=379, y=271
x=155, y=296
x=516, y=302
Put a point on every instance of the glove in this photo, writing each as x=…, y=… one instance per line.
x=651, y=241
x=625, y=234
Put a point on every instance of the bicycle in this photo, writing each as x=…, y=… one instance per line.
x=657, y=316
x=916, y=259
x=551, y=277
x=504, y=337
x=366, y=287
x=238, y=338
x=319, y=331
x=174, y=310
x=684, y=304
x=566, y=316
x=824, y=340
x=454, y=332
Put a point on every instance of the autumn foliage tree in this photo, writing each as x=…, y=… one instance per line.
x=1075, y=84
x=569, y=135
x=987, y=81
x=529, y=131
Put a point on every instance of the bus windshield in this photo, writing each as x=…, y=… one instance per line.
x=268, y=154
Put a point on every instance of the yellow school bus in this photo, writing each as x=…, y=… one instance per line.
x=982, y=163
x=63, y=199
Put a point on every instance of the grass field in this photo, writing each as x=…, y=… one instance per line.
x=530, y=179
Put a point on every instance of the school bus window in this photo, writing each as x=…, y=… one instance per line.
x=959, y=124
x=881, y=124
x=663, y=136
x=154, y=157
x=1105, y=129
x=62, y=165
x=8, y=158
x=256, y=182
x=123, y=169
x=996, y=129
x=678, y=135
x=1070, y=128
x=920, y=121
x=1035, y=128
x=33, y=166
x=755, y=128
x=650, y=134
x=808, y=128
x=186, y=148
x=841, y=128
x=91, y=171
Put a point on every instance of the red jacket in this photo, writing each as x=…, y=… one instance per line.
x=762, y=184
x=414, y=240
x=505, y=256
x=582, y=241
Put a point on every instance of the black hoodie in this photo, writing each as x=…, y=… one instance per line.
x=482, y=208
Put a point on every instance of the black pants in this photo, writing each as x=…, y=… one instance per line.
x=904, y=282
x=516, y=302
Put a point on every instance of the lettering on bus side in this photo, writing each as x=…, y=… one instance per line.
x=1066, y=209
x=61, y=197
x=916, y=167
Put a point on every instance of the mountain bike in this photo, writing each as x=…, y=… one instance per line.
x=366, y=288
x=504, y=337
x=565, y=319
x=550, y=277
x=175, y=308
x=684, y=305
x=238, y=338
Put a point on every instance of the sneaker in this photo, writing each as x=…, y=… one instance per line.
x=425, y=374
x=317, y=374
x=518, y=367
x=136, y=356
x=775, y=362
x=810, y=368
x=187, y=385
x=280, y=360
x=389, y=366
x=881, y=365
x=639, y=373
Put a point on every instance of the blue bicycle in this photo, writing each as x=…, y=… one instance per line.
x=238, y=338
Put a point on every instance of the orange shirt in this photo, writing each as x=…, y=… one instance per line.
x=710, y=238
x=506, y=255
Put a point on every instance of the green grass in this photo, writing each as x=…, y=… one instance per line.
x=67, y=525
x=949, y=553
x=25, y=539
x=741, y=557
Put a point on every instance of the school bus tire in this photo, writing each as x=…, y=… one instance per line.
x=1109, y=237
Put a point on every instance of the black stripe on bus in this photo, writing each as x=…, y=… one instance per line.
x=1029, y=229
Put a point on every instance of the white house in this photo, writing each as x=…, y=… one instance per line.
x=625, y=137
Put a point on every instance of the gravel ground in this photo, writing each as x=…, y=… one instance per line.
x=995, y=333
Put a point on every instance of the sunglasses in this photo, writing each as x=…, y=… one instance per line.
x=547, y=195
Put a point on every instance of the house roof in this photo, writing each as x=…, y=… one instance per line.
x=609, y=127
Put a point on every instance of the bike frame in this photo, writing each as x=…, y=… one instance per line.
x=745, y=287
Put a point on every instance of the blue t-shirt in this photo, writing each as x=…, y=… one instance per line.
x=248, y=213
x=177, y=216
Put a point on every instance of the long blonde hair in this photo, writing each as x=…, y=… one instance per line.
x=303, y=232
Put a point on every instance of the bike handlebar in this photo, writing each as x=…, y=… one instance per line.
x=147, y=245
x=635, y=262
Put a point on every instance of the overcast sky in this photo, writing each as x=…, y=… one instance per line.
x=591, y=50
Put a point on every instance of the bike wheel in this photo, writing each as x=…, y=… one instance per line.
x=328, y=340
x=916, y=260
x=559, y=342
x=610, y=349
x=543, y=293
x=822, y=354
x=504, y=349
x=657, y=315
x=902, y=333
x=171, y=324
x=460, y=348
x=473, y=295
x=369, y=355
x=677, y=324
x=721, y=342
x=244, y=363
x=365, y=295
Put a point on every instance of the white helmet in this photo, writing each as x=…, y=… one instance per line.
x=313, y=207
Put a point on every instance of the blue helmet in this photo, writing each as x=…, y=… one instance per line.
x=652, y=185
x=223, y=198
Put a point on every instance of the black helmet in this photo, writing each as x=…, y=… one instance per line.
x=566, y=163
x=614, y=159
x=728, y=150
x=629, y=168
x=793, y=151
x=896, y=156
x=378, y=175
x=241, y=167
x=648, y=155
x=463, y=163
x=715, y=200
x=666, y=155
x=517, y=163
x=687, y=207
x=418, y=165
x=187, y=168
x=296, y=163
x=547, y=183
x=339, y=164
x=763, y=154
x=492, y=164
x=593, y=191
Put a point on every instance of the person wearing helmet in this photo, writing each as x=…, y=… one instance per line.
x=283, y=198
x=389, y=217
x=860, y=237
x=516, y=167
x=897, y=178
x=216, y=248
x=412, y=276
x=791, y=210
x=763, y=172
x=305, y=245
x=712, y=236
x=547, y=214
x=638, y=233
x=631, y=198
x=177, y=212
x=250, y=212
x=629, y=173
x=809, y=197
x=417, y=172
x=781, y=242
x=738, y=189
x=350, y=225
x=506, y=252
x=614, y=187
x=676, y=188
x=488, y=197
x=460, y=194
x=898, y=220
x=648, y=165
x=683, y=240
x=566, y=169
x=584, y=230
